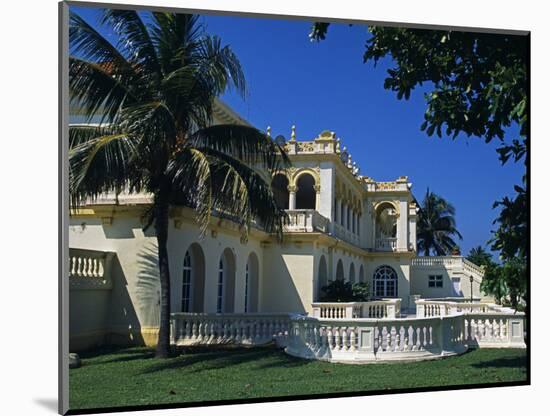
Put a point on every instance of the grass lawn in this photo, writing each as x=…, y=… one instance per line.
x=126, y=377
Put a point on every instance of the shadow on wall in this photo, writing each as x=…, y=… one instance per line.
x=135, y=309
x=279, y=290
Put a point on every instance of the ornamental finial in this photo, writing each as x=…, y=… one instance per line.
x=269, y=131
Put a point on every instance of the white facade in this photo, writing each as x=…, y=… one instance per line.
x=342, y=226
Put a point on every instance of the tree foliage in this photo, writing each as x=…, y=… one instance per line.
x=436, y=226
x=507, y=282
x=478, y=85
x=478, y=80
x=479, y=256
x=154, y=91
x=344, y=291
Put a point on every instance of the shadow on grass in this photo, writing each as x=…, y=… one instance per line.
x=213, y=358
x=512, y=362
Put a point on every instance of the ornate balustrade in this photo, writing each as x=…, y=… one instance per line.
x=306, y=220
x=386, y=244
x=364, y=340
x=344, y=234
x=354, y=339
x=367, y=340
x=239, y=329
x=90, y=269
x=494, y=330
x=428, y=307
x=383, y=308
x=336, y=310
x=448, y=261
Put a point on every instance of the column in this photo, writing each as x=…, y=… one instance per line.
x=292, y=196
x=317, y=197
x=345, y=216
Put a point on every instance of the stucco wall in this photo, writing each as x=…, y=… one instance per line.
x=128, y=313
x=420, y=278
x=288, y=278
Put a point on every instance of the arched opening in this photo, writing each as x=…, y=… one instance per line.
x=279, y=186
x=192, y=283
x=305, y=194
x=339, y=270
x=322, y=277
x=361, y=274
x=225, y=297
x=385, y=282
x=386, y=227
x=352, y=273
x=251, y=284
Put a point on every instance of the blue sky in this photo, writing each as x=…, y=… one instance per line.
x=326, y=86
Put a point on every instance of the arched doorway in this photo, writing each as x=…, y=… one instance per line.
x=279, y=186
x=192, y=283
x=339, y=270
x=385, y=282
x=322, y=278
x=225, y=296
x=251, y=284
x=305, y=194
x=361, y=274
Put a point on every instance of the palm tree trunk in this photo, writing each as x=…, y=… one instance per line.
x=161, y=228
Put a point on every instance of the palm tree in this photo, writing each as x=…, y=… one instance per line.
x=436, y=226
x=153, y=92
x=479, y=256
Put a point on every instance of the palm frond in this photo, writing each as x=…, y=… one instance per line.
x=134, y=36
x=95, y=91
x=174, y=35
x=190, y=175
x=219, y=66
x=247, y=144
x=243, y=193
x=101, y=165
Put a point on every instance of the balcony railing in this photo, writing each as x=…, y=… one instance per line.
x=306, y=220
x=382, y=308
x=367, y=340
x=90, y=269
x=386, y=244
x=344, y=234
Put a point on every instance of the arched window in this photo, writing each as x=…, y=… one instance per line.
x=342, y=210
x=246, y=287
x=361, y=274
x=186, y=287
x=339, y=270
x=385, y=282
x=305, y=194
x=279, y=186
x=219, y=303
x=188, y=293
x=352, y=273
x=225, y=299
x=322, y=278
x=252, y=284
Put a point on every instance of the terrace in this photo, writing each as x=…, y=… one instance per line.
x=362, y=332
x=358, y=332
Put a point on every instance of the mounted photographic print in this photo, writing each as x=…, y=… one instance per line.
x=268, y=208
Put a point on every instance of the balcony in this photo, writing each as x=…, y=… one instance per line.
x=344, y=234
x=386, y=244
x=306, y=221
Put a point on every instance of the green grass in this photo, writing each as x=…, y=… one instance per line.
x=111, y=378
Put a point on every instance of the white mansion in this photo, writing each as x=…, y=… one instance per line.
x=342, y=226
